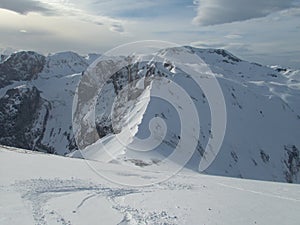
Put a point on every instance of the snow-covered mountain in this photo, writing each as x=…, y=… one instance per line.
x=262, y=138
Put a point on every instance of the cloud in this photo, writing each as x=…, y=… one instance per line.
x=291, y=12
x=208, y=44
x=212, y=12
x=74, y=9
x=117, y=28
x=233, y=36
x=59, y=8
x=29, y=32
x=140, y=10
x=26, y=6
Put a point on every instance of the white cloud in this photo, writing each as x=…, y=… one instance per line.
x=60, y=8
x=52, y=34
x=208, y=44
x=65, y=8
x=212, y=12
x=233, y=36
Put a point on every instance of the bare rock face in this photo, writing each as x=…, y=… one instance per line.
x=3, y=57
x=20, y=111
x=21, y=66
x=292, y=163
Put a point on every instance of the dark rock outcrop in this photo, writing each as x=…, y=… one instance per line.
x=19, y=111
x=21, y=66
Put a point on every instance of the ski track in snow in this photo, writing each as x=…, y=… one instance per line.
x=85, y=199
x=38, y=192
x=259, y=193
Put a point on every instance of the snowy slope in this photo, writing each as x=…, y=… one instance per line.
x=38, y=188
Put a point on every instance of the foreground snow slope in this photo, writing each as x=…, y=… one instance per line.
x=37, y=188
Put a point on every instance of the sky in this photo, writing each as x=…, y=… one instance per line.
x=263, y=31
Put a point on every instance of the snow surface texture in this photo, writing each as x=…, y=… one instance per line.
x=263, y=111
x=38, y=188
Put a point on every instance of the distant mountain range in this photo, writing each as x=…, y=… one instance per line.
x=262, y=139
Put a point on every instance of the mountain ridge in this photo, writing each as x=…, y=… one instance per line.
x=259, y=100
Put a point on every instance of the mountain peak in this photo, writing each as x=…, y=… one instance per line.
x=62, y=63
x=64, y=55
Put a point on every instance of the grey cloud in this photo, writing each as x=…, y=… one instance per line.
x=117, y=28
x=99, y=23
x=26, y=6
x=212, y=12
